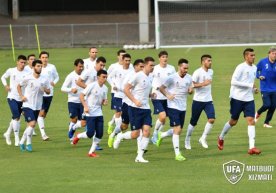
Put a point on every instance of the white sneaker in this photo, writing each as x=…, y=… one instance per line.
x=8, y=138
x=203, y=142
x=117, y=141
x=188, y=145
x=45, y=138
x=141, y=160
x=267, y=126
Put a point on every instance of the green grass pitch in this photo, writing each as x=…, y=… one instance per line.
x=58, y=167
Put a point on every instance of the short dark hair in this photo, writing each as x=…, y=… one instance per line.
x=247, y=50
x=161, y=53
x=36, y=62
x=93, y=47
x=182, y=60
x=138, y=61
x=44, y=52
x=78, y=61
x=148, y=59
x=204, y=56
x=126, y=56
x=101, y=59
x=101, y=72
x=120, y=51
x=21, y=57
x=30, y=56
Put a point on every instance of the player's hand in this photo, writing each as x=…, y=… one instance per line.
x=256, y=91
x=105, y=102
x=8, y=89
x=115, y=88
x=23, y=98
x=170, y=96
x=52, y=83
x=261, y=77
x=190, y=90
x=86, y=109
x=74, y=90
x=137, y=103
x=153, y=95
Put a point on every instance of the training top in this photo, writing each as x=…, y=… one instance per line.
x=141, y=86
x=28, y=69
x=125, y=98
x=16, y=77
x=178, y=87
x=242, y=82
x=95, y=95
x=159, y=75
x=114, y=66
x=268, y=70
x=89, y=76
x=88, y=64
x=34, y=90
x=116, y=79
x=203, y=94
x=69, y=84
x=51, y=74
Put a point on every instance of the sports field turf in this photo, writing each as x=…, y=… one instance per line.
x=58, y=167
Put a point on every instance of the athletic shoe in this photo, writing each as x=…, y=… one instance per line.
x=159, y=140
x=110, y=141
x=154, y=139
x=180, y=157
x=267, y=126
x=22, y=147
x=8, y=138
x=141, y=160
x=93, y=154
x=34, y=133
x=188, y=145
x=117, y=141
x=203, y=142
x=254, y=150
x=110, y=128
x=71, y=133
x=220, y=143
x=76, y=140
x=29, y=148
x=257, y=116
x=99, y=148
x=45, y=138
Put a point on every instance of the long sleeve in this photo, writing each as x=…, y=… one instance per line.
x=56, y=76
x=236, y=79
x=66, y=86
x=4, y=77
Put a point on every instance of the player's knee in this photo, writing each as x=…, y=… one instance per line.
x=233, y=122
x=124, y=126
x=211, y=121
x=74, y=120
x=83, y=123
x=162, y=117
x=135, y=134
